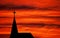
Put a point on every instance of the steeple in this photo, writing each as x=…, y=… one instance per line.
x=14, y=31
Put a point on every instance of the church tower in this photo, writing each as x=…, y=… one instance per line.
x=14, y=31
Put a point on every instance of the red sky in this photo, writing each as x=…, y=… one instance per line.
x=35, y=3
x=32, y=16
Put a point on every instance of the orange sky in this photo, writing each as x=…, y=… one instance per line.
x=31, y=16
x=34, y=16
x=34, y=3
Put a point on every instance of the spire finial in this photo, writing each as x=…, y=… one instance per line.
x=14, y=12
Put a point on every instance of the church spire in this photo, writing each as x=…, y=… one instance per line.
x=14, y=31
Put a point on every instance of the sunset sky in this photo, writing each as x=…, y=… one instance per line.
x=30, y=15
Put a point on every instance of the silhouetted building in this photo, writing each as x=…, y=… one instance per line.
x=14, y=31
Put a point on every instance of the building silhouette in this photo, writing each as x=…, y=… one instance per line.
x=14, y=31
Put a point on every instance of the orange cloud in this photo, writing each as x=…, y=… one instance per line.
x=35, y=3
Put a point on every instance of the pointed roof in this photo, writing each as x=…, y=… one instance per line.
x=14, y=31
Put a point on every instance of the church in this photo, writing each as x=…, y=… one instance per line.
x=14, y=31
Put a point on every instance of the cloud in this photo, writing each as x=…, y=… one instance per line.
x=5, y=17
x=39, y=25
x=39, y=16
x=30, y=4
x=27, y=7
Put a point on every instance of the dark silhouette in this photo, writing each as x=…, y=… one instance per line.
x=15, y=34
x=14, y=31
